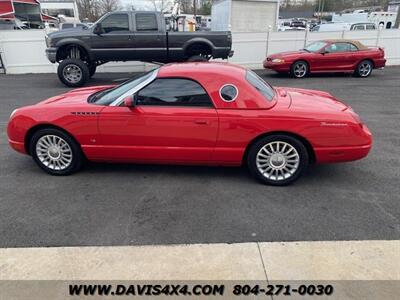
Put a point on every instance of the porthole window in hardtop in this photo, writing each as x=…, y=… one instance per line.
x=229, y=92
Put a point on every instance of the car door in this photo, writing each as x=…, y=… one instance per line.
x=173, y=120
x=149, y=39
x=114, y=42
x=336, y=57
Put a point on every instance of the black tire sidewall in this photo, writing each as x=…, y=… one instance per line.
x=197, y=58
x=297, y=144
x=92, y=69
x=77, y=157
x=358, y=68
x=83, y=67
x=294, y=65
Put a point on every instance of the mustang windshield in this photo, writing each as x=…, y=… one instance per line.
x=315, y=47
x=106, y=97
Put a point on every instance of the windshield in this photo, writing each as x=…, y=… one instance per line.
x=106, y=97
x=315, y=47
x=264, y=88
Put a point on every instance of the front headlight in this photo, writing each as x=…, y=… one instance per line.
x=13, y=112
x=48, y=41
x=277, y=61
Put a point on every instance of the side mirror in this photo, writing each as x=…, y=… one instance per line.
x=129, y=101
x=98, y=29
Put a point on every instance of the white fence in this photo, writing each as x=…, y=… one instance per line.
x=24, y=51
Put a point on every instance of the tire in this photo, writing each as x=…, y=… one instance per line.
x=66, y=162
x=73, y=72
x=197, y=58
x=364, y=69
x=92, y=69
x=284, y=168
x=299, y=69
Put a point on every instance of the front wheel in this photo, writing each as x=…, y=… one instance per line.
x=55, y=152
x=364, y=69
x=277, y=159
x=299, y=69
x=73, y=72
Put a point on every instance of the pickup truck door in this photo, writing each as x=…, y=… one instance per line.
x=115, y=41
x=149, y=39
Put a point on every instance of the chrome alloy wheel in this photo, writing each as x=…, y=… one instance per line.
x=54, y=152
x=300, y=70
x=277, y=160
x=72, y=73
x=365, y=69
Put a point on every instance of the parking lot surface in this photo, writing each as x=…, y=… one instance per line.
x=115, y=204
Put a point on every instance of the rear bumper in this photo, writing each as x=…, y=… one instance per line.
x=380, y=63
x=341, y=154
x=51, y=54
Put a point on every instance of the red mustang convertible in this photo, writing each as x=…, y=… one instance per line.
x=192, y=113
x=344, y=56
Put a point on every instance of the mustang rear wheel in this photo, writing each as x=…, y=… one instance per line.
x=277, y=159
x=299, y=69
x=55, y=152
x=73, y=72
x=364, y=68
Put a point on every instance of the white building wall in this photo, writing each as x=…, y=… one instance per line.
x=220, y=15
x=253, y=16
x=24, y=51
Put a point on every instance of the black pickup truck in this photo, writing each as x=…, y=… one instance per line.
x=129, y=36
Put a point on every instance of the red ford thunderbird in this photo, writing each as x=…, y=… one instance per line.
x=344, y=56
x=192, y=113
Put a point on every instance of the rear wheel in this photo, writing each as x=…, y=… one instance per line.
x=73, y=72
x=277, y=159
x=55, y=152
x=364, y=69
x=299, y=69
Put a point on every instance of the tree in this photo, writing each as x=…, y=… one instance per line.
x=162, y=5
x=106, y=6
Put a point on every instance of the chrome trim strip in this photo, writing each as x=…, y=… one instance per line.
x=132, y=91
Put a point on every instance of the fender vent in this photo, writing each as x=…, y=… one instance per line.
x=84, y=113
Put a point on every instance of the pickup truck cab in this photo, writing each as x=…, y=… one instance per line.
x=129, y=36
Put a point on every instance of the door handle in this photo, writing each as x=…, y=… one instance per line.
x=201, y=122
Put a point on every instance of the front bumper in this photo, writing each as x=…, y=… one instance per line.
x=17, y=146
x=51, y=54
x=278, y=67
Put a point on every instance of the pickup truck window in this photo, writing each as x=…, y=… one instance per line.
x=115, y=22
x=173, y=92
x=146, y=22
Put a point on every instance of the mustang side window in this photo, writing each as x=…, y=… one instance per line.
x=115, y=22
x=173, y=92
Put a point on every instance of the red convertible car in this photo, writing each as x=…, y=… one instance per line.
x=344, y=56
x=192, y=113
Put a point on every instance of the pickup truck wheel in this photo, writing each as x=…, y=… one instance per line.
x=73, y=72
x=92, y=69
x=199, y=58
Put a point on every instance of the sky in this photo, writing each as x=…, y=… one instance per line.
x=139, y=4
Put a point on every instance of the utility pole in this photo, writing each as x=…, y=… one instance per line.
x=194, y=7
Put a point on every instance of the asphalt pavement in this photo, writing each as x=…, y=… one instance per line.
x=118, y=204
